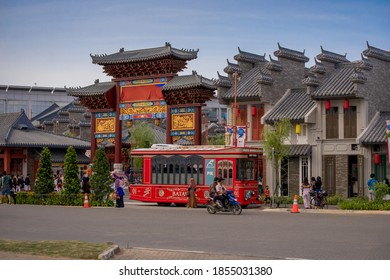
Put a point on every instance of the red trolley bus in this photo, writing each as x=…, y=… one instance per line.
x=167, y=170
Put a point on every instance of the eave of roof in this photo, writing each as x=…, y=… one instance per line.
x=144, y=55
x=299, y=150
x=341, y=83
x=295, y=105
x=375, y=132
x=98, y=88
x=189, y=81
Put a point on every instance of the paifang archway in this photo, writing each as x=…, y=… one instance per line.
x=144, y=84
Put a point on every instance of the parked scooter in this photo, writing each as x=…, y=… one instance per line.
x=231, y=205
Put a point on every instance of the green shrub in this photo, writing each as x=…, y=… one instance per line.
x=61, y=198
x=360, y=203
x=381, y=189
x=335, y=199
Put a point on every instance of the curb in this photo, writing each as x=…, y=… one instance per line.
x=107, y=254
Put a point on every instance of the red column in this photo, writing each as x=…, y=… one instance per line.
x=92, y=136
x=198, y=125
x=7, y=160
x=168, y=125
x=118, y=128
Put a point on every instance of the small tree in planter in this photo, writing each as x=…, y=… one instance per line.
x=45, y=181
x=71, y=182
x=101, y=180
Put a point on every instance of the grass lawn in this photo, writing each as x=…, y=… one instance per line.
x=58, y=248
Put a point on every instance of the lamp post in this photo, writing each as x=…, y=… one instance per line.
x=206, y=125
x=273, y=177
x=235, y=110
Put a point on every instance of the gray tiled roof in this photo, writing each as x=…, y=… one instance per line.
x=223, y=81
x=189, y=81
x=38, y=138
x=299, y=150
x=377, y=53
x=144, y=55
x=58, y=156
x=291, y=54
x=375, y=132
x=247, y=86
x=341, y=83
x=249, y=57
x=318, y=67
x=232, y=67
x=294, y=105
x=92, y=90
x=16, y=130
x=331, y=56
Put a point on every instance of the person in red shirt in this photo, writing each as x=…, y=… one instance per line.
x=267, y=196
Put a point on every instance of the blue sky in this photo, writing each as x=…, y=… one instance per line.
x=49, y=42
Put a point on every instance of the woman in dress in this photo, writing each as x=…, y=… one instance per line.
x=191, y=194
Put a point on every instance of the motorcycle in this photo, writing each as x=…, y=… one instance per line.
x=231, y=205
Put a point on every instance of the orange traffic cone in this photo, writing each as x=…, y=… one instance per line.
x=86, y=204
x=295, y=205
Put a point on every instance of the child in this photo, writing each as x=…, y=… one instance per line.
x=13, y=194
x=267, y=196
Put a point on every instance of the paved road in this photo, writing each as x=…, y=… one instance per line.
x=258, y=233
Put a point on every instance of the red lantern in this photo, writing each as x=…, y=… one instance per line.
x=253, y=111
x=327, y=105
x=346, y=104
x=377, y=159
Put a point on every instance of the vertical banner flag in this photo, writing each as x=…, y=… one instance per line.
x=388, y=139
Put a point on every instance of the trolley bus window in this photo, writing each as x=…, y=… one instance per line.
x=225, y=170
x=246, y=169
x=177, y=169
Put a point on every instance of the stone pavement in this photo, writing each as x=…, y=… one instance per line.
x=116, y=253
x=138, y=254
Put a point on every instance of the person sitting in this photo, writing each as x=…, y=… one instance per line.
x=220, y=194
x=213, y=186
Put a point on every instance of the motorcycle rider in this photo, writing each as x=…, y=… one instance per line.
x=213, y=190
x=220, y=192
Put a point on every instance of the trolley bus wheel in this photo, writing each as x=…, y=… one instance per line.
x=211, y=210
x=237, y=209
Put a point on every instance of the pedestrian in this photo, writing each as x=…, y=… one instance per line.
x=313, y=183
x=191, y=194
x=318, y=184
x=21, y=183
x=5, y=184
x=27, y=183
x=85, y=183
x=13, y=193
x=267, y=195
x=119, y=192
x=371, y=187
x=15, y=183
x=305, y=187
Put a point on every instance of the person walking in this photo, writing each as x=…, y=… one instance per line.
x=119, y=192
x=5, y=184
x=27, y=183
x=371, y=187
x=191, y=194
x=305, y=187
